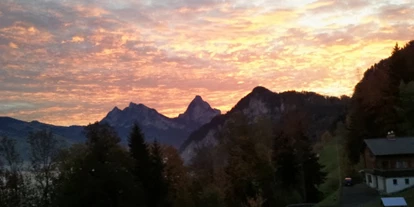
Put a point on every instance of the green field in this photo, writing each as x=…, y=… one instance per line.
x=330, y=157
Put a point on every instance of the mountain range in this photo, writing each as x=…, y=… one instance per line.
x=324, y=113
x=200, y=123
x=172, y=131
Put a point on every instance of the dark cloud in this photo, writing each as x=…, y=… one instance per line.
x=42, y=16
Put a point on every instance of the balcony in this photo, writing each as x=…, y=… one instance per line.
x=401, y=172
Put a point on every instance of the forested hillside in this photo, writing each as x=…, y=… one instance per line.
x=257, y=163
x=323, y=113
x=383, y=101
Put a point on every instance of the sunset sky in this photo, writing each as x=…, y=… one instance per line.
x=69, y=62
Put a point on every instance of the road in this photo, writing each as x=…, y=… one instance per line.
x=358, y=195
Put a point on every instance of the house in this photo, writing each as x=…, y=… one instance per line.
x=389, y=163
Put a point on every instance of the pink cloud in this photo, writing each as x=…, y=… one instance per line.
x=78, y=60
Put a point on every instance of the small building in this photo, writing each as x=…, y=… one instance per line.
x=394, y=202
x=389, y=163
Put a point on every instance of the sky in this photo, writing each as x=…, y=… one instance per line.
x=67, y=62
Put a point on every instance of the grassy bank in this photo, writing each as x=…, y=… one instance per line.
x=330, y=156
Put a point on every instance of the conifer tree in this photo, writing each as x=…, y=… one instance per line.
x=296, y=164
x=141, y=167
x=158, y=192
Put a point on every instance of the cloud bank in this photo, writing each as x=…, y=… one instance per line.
x=70, y=62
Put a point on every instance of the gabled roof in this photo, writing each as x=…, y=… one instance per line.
x=396, y=146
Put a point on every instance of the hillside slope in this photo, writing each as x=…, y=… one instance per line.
x=323, y=111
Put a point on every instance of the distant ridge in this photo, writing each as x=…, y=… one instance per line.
x=172, y=131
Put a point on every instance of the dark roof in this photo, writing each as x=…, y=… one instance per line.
x=396, y=146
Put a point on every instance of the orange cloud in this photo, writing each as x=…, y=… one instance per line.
x=77, y=39
x=12, y=45
x=162, y=55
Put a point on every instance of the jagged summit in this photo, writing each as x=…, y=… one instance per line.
x=156, y=125
x=116, y=109
x=198, y=98
x=198, y=112
x=134, y=105
x=197, y=101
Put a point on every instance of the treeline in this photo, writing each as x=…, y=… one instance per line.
x=253, y=164
x=99, y=172
x=258, y=164
x=383, y=101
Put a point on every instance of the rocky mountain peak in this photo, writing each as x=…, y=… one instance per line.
x=199, y=111
x=137, y=106
x=156, y=125
x=115, y=109
x=197, y=102
x=198, y=98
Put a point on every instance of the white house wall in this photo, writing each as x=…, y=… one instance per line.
x=372, y=184
x=401, y=185
x=381, y=183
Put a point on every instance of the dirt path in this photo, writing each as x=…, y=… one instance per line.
x=358, y=195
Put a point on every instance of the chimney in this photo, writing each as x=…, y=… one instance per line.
x=391, y=135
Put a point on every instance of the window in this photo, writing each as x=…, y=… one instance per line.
x=398, y=164
x=370, y=178
x=404, y=164
x=395, y=181
x=407, y=181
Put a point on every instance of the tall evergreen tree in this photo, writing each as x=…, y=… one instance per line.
x=138, y=148
x=142, y=164
x=158, y=191
x=248, y=170
x=285, y=162
x=296, y=164
x=313, y=175
x=241, y=158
